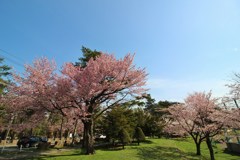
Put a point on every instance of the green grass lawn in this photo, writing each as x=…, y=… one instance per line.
x=162, y=149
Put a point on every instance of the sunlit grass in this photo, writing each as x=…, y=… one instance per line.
x=162, y=149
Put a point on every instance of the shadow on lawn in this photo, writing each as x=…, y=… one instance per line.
x=148, y=142
x=181, y=139
x=33, y=154
x=54, y=156
x=165, y=153
x=111, y=147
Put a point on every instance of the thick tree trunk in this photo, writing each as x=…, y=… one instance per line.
x=88, y=137
x=209, y=144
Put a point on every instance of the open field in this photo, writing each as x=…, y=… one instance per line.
x=162, y=149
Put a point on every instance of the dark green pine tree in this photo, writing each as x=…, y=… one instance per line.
x=4, y=72
x=87, y=55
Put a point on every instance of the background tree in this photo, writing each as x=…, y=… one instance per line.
x=124, y=137
x=154, y=115
x=139, y=135
x=200, y=117
x=231, y=102
x=141, y=117
x=46, y=91
x=117, y=119
x=19, y=115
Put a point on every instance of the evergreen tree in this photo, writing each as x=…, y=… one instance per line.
x=124, y=137
x=87, y=55
x=117, y=119
x=4, y=72
x=139, y=135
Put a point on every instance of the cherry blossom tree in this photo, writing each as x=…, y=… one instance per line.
x=200, y=117
x=231, y=102
x=102, y=84
x=19, y=114
x=46, y=90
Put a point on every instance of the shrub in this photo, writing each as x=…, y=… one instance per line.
x=124, y=137
x=139, y=135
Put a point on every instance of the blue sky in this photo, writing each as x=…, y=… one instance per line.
x=185, y=46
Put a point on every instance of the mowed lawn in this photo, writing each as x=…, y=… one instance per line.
x=162, y=149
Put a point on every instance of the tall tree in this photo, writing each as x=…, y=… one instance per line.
x=154, y=115
x=105, y=81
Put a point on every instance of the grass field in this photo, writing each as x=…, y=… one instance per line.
x=162, y=149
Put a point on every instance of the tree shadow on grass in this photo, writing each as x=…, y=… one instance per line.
x=40, y=154
x=165, y=153
x=54, y=156
x=135, y=143
x=147, y=142
x=43, y=157
x=109, y=147
x=182, y=139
